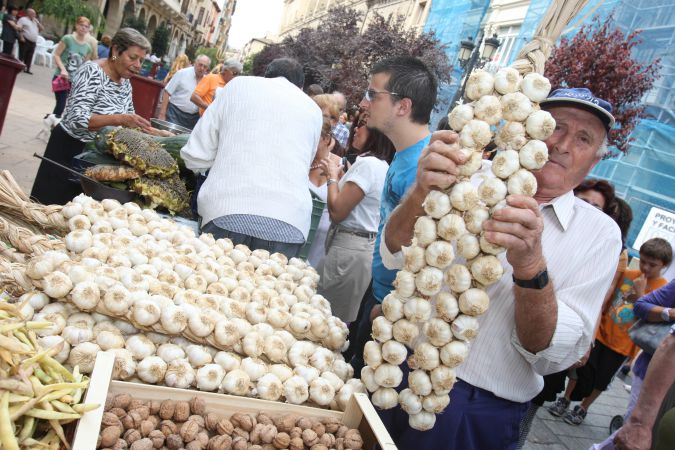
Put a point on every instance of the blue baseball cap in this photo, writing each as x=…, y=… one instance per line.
x=585, y=99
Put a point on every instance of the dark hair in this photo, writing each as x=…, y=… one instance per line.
x=314, y=89
x=602, y=187
x=658, y=248
x=622, y=214
x=287, y=68
x=377, y=144
x=410, y=78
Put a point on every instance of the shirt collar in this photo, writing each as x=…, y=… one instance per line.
x=563, y=207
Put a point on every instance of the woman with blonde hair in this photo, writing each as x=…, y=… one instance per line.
x=181, y=62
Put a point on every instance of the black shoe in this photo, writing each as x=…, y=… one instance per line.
x=28, y=72
x=576, y=416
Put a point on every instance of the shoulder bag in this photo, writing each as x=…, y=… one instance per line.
x=648, y=335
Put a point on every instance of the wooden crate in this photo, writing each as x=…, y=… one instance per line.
x=359, y=413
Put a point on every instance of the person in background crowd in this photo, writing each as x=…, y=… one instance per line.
x=72, y=51
x=353, y=205
x=104, y=46
x=637, y=433
x=101, y=96
x=598, y=193
x=30, y=30
x=318, y=186
x=256, y=192
x=331, y=112
x=314, y=89
x=206, y=88
x=340, y=130
x=181, y=62
x=536, y=324
x=176, y=105
x=400, y=96
x=10, y=30
x=613, y=344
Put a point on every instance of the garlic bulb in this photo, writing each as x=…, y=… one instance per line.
x=36, y=299
x=474, y=218
x=236, y=382
x=83, y=355
x=468, y=246
x=505, y=163
x=507, y=80
x=540, y=125
x=296, y=390
x=269, y=387
x=486, y=269
x=85, y=295
x=490, y=248
x=414, y=257
x=254, y=367
x=476, y=134
x=442, y=380
x=372, y=354
x=382, y=329
x=535, y=86
x=492, y=190
x=464, y=196
x=388, y=375
x=436, y=204
x=197, y=355
x=454, y=353
x=75, y=335
x=516, y=107
x=151, y=369
x=283, y=372
x=394, y=352
x=440, y=254
x=228, y=360
x=404, y=283
x=437, y=331
x=209, y=377
x=385, y=398
x=117, y=299
x=170, y=352
x=447, y=307
x=436, y=403
x=145, y=312
x=534, y=154
x=474, y=302
x=488, y=109
x=458, y=278
x=47, y=342
x=472, y=165
x=124, y=366
x=465, y=327
x=425, y=230
x=416, y=310
x=479, y=84
x=422, y=421
x=252, y=344
x=420, y=382
x=274, y=348
x=78, y=240
x=140, y=346
x=321, y=391
x=108, y=340
x=368, y=378
x=392, y=306
x=522, y=183
x=460, y=116
x=426, y=356
x=174, y=319
x=179, y=374
x=451, y=226
x=409, y=401
x=56, y=284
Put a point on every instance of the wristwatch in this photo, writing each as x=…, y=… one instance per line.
x=539, y=281
x=331, y=181
x=665, y=314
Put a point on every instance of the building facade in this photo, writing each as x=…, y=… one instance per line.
x=299, y=14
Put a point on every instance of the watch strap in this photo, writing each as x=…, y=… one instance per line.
x=539, y=281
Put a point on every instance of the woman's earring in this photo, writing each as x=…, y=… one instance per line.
x=114, y=58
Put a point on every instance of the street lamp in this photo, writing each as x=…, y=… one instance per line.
x=472, y=56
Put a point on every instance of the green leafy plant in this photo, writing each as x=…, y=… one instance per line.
x=160, y=41
x=136, y=23
x=67, y=11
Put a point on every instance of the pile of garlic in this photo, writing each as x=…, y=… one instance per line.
x=222, y=317
x=437, y=324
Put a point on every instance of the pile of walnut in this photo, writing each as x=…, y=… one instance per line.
x=143, y=425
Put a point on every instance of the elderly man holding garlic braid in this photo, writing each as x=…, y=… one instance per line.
x=560, y=252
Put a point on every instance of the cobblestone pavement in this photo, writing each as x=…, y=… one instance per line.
x=32, y=99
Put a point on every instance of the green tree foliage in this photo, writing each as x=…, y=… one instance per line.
x=136, y=23
x=67, y=11
x=160, y=41
x=338, y=56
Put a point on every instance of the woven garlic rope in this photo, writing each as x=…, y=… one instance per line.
x=15, y=202
x=25, y=241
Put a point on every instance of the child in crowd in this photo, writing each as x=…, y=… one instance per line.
x=613, y=344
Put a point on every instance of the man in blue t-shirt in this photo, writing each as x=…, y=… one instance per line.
x=400, y=96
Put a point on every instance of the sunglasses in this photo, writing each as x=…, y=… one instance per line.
x=371, y=93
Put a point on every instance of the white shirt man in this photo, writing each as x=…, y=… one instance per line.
x=176, y=105
x=560, y=259
x=30, y=30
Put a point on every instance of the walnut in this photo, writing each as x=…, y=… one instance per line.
x=211, y=421
x=285, y=423
x=238, y=432
x=304, y=423
x=244, y=421
x=340, y=444
x=121, y=444
x=119, y=412
x=135, y=403
x=198, y=406
x=168, y=427
x=155, y=420
x=309, y=437
x=142, y=444
x=296, y=444
x=224, y=426
x=154, y=406
x=264, y=419
x=296, y=432
x=220, y=442
x=173, y=442
x=199, y=419
x=157, y=438
x=194, y=445
x=318, y=447
x=353, y=439
x=342, y=430
x=122, y=401
x=167, y=409
x=281, y=440
x=331, y=423
x=239, y=443
x=267, y=433
x=255, y=447
x=203, y=438
x=132, y=436
x=268, y=447
x=109, y=400
x=146, y=427
x=182, y=411
x=135, y=417
x=142, y=411
x=254, y=436
x=110, y=420
x=328, y=440
x=189, y=430
x=127, y=422
x=319, y=428
x=110, y=435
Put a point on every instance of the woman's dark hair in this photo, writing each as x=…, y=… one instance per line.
x=601, y=186
x=129, y=37
x=622, y=214
x=377, y=144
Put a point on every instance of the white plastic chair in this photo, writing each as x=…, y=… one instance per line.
x=43, y=50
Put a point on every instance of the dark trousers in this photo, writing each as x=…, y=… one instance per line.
x=61, y=98
x=53, y=185
x=7, y=47
x=290, y=250
x=475, y=419
x=175, y=115
x=26, y=50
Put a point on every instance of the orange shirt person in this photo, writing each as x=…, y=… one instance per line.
x=205, y=91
